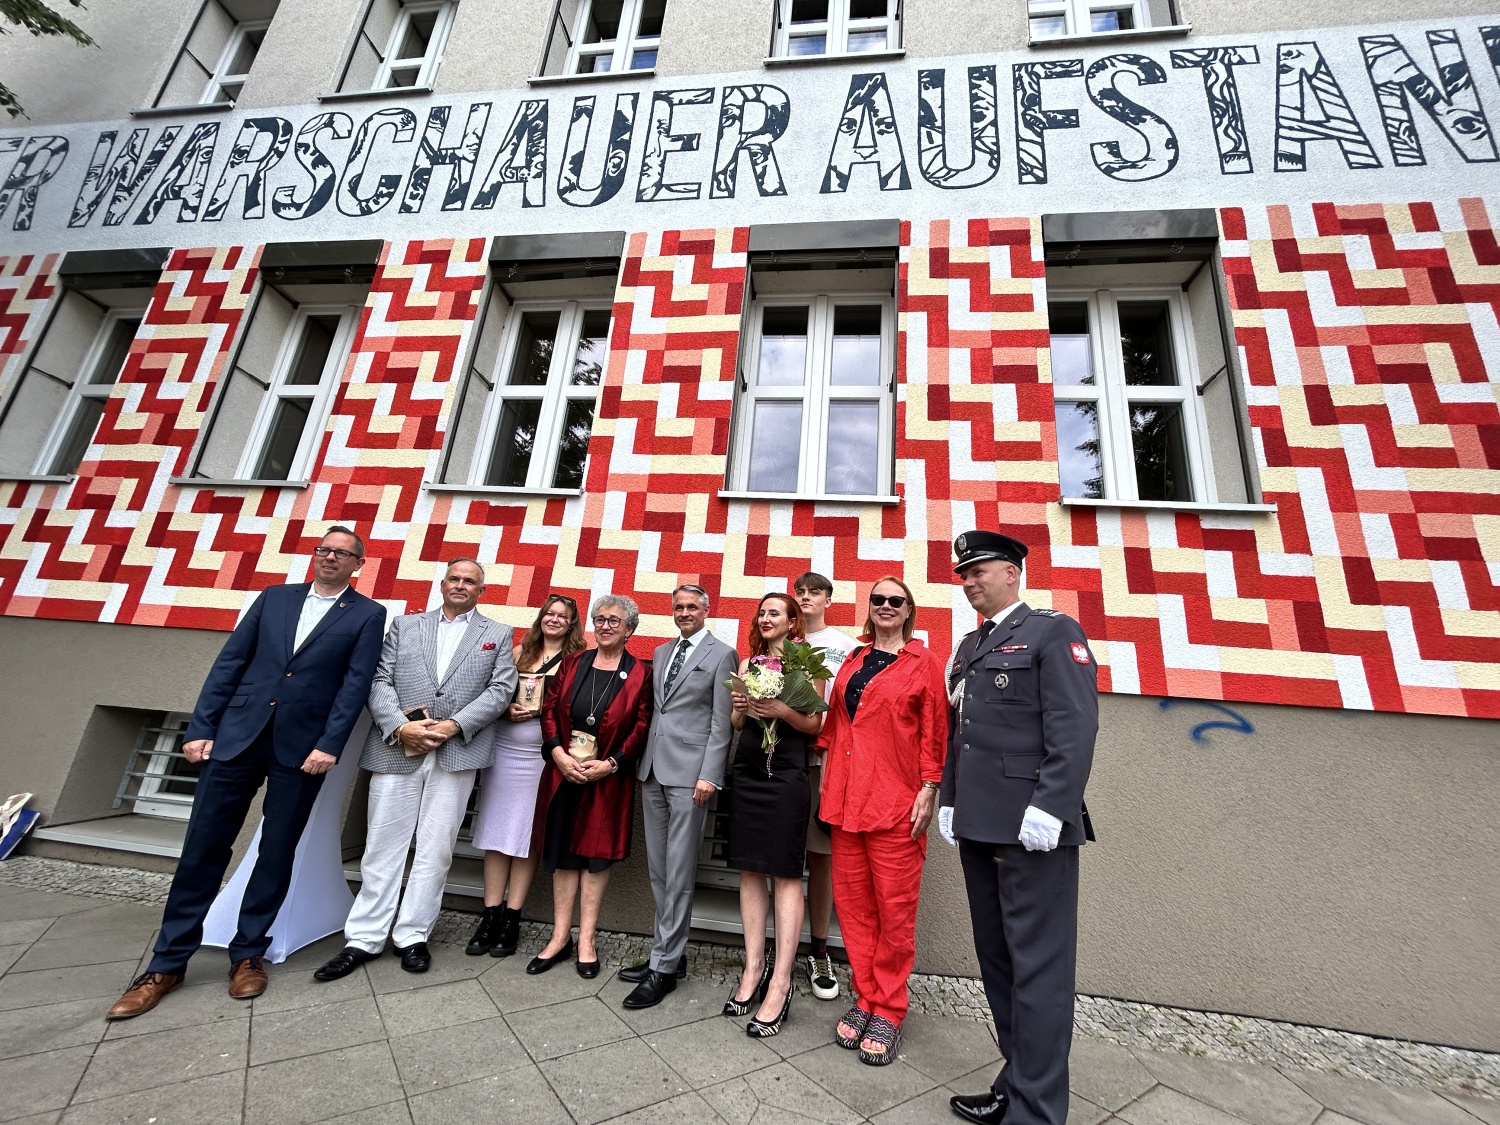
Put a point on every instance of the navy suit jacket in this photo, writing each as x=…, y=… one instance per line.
x=313, y=695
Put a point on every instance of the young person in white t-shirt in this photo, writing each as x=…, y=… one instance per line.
x=814, y=592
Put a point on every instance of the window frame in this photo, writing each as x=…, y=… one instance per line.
x=320, y=395
x=816, y=393
x=218, y=78
x=625, y=44
x=1078, y=17
x=83, y=387
x=1114, y=396
x=835, y=29
x=431, y=59
x=555, y=393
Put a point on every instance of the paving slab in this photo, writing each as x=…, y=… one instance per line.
x=1106, y=1073
x=1081, y=1111
x=685, y=1109
x=1378, y=1103
x=612, y=1080
x=693, y=1000
x=1163, y=1106
x=45, y=904
x=39, y=1119
x=923, y=1109
x=450, y=1056
x=296, y=988
x=52, y=986
x=808, y=1026
x=21, y=931
x=784, y=1087
x=216, y=1100
x=189, y=1006
x=567, y=1028
x=867, y=1090
x=1486, y=1109
x=317, y=1087
x=944, y=1048
x=107, y=922
x=514, y=990
x=9, y=955
x=67, y=952
x=448, y=964
x=435, y=1006
x=51, y=1027
x=392, y=1113
x=163, y=1059
x=314, y=1030
x=36, y=1083
x=1260, y=1094
x=711, y=1051
x=521, y=1096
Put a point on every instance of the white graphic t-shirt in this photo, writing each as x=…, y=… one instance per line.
x=838, y=643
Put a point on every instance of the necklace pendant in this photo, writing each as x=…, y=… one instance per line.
x=591, y=720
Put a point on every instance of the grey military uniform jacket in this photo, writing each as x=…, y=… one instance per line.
x=474, y=692
x=1024, y=733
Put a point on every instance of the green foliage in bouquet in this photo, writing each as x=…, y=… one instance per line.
x=801, y=666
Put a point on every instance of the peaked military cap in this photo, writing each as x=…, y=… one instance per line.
x=977, y=546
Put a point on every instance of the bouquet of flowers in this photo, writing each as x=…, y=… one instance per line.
x=789, y=678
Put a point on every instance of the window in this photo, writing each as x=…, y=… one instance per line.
x=399, y=45
x=836, y=27
x=599, y=36
x=270, y=412
x=216, y=57
x=51, y=417
x=1129, y=422
x=1052, y=19
x=817, y=408
x=158, y=779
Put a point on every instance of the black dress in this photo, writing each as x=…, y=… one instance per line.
x=768, y=815
x=593, y=692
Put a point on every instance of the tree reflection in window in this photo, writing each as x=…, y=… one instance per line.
x=1157, y=440
x=1080, y=459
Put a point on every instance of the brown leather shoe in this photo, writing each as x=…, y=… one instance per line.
x=247, y=978
x=143, y=995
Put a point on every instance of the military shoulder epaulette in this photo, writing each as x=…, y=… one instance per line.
x=1049, y=612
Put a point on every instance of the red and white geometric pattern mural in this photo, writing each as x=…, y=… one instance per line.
x=1368, y=335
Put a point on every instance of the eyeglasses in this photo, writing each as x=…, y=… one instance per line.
x=334, y=552
x=561, y=598
x=896, y=600
x=608, y=622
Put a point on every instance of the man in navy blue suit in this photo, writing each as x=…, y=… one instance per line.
x=278, y=705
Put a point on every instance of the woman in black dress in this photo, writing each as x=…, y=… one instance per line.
x=770, y=801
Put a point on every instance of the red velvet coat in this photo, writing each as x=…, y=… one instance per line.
x=602, y=830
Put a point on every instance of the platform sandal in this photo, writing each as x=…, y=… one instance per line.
x=857, y=1018
x=887, y=1034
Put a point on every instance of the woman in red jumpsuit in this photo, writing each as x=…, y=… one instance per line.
x=885, y=739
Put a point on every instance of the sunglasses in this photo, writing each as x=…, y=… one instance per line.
x=896, y=601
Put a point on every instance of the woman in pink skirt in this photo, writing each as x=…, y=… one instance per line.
x=507, y=794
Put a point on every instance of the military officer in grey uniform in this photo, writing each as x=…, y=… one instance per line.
x=1025, y=710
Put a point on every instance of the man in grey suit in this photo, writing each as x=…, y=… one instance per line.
x=680, y=770
x=444, y=677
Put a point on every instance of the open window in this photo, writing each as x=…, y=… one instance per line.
x=48, y=421
x=272, y=404
x=216, y=56
x=1054, y=19
x=815, y=414
x=1144, y=386
x=398, y=45
x=835, y=27
x=602, y=36
x=525, y=412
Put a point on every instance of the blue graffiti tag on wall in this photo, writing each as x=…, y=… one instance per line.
x=1235, y=722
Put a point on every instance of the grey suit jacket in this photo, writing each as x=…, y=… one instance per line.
x=476, y=690
x=690, y=731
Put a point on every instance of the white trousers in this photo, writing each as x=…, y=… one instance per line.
x=428, y=803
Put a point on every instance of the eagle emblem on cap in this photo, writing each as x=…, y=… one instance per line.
x=961, y=543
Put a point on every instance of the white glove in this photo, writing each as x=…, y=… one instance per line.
x=945, y=824
x=1040, y=830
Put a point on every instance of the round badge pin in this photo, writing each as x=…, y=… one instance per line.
x=624, y=675
x=1001, y=681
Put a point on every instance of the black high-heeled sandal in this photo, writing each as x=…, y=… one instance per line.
x=541, y=964
x=760, y=1029
x=736, y=1008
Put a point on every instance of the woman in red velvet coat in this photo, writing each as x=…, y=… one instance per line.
x=595, y=717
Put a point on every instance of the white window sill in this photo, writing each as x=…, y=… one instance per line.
x=807, y=497
x=1170, y=506
x=599, y=76
x=143, y=835
x=356, y=95
x=506, y=490
x=1175, y=31
x=36, y=478
x=845, y=57
x=173, y=110
x=209, y=482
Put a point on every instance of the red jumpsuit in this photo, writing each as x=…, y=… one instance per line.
x=873, y=768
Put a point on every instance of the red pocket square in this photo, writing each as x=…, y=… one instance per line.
x=487, y=646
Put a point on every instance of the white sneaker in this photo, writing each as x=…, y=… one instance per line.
x=825, y=985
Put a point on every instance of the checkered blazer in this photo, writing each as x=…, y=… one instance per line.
x=476, y=690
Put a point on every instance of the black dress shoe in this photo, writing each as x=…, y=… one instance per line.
x=542, y=964
x=588, y=970
x=987, y=1108
x=651, y=991
x=637, y=973
x=416, y=958
x=344, y=963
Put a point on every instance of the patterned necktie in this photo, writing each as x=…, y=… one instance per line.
x=678, y=657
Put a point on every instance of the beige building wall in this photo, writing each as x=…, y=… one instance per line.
x=1332, y=868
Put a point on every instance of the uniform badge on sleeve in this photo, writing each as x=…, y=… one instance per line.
x=1080, y=653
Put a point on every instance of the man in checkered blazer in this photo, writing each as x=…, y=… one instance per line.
x=455, y=663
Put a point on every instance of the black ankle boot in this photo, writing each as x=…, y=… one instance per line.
x=508, y=933
x=486, y=933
